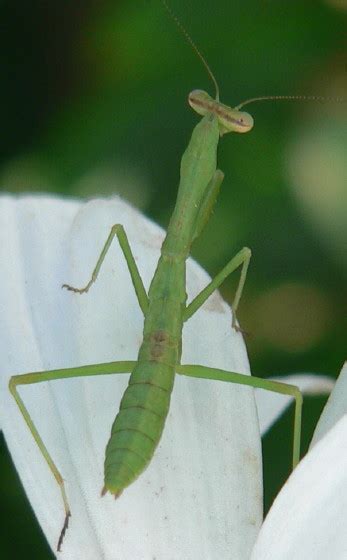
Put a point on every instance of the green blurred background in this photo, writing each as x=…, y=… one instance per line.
x=93, y=102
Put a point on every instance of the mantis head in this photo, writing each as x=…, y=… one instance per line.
x=229, y=120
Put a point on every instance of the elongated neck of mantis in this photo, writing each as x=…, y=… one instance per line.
x=197, y=168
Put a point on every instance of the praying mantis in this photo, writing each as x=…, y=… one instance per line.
x=138, y=426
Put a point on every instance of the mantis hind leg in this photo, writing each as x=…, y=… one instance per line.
x=118, y=230
x=241, y=259
x=204, y=372
x=39, y=377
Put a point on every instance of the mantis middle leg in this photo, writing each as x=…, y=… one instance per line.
x=141, y=294
x=241, y=259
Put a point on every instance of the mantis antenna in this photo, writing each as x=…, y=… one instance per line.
x=290, y=98
x=185, y=33
x=193, y=45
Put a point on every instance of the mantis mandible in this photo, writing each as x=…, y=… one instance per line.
x=139, y=423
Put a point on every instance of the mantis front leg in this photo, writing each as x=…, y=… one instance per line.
x=204, y=372
x=39, y=377
x=241, y=259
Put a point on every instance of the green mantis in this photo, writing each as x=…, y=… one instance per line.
x=138, y=426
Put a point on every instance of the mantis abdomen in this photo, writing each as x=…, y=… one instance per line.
x=138, y=426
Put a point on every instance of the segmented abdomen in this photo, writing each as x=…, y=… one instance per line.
x=145, y=404
x=138, y=426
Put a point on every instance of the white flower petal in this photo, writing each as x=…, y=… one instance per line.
x=201, y=496
x=334, y=409
x=271, y=406
x=308, y=517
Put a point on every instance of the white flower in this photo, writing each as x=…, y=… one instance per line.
x=308, y=517
x=201, y=496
